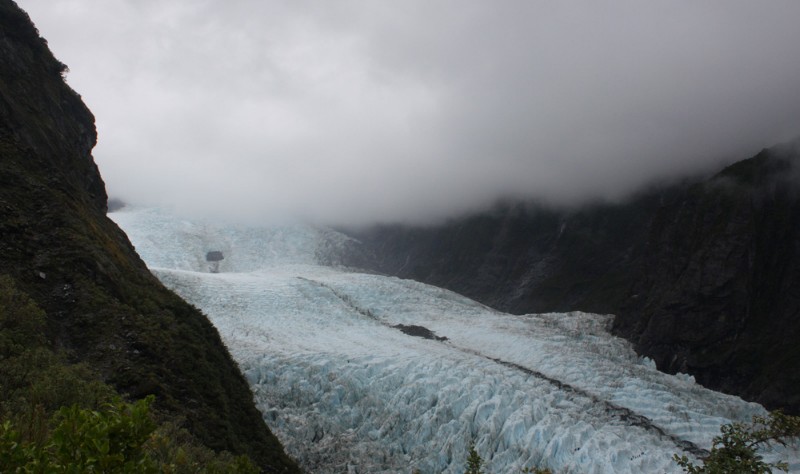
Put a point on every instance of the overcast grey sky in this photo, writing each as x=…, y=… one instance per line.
x=369, y=110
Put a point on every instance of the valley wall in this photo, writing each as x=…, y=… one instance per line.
x=103, y=306
x=702, y=276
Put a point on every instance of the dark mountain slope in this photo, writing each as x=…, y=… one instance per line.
x=703, y=277
x=103, y=306
x=718, y=284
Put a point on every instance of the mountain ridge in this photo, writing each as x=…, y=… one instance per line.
x=103, y=307
x=699, y=274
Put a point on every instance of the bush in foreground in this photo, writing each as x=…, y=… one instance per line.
x=58, y=417
x=736, y=448
x=121, y=438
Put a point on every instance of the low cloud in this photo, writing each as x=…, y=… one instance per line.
x=354, y=112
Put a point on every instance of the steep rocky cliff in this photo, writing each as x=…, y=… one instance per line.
x=103, y=306
x=717, y=288
x=702, y=276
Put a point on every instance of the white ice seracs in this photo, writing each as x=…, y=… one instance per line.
x=347, y=390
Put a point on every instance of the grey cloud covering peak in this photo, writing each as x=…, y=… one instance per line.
x=358, y=111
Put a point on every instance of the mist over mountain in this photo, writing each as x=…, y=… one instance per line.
x=701, y=275
x=353, y=113
x=549, y=158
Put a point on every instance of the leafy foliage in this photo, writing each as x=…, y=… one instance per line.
x=108, y=441
x=58, y=417
x=474, y=461
x=34, y=380
x=121, y=438
x=736, y=449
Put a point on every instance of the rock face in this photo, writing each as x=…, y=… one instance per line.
x=702, y=276
x=103, y=306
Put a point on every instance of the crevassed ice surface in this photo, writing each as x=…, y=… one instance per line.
x=346, y=388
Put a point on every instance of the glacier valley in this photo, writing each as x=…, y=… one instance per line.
x=363, y=373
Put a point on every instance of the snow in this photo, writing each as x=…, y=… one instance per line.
x=346, y=390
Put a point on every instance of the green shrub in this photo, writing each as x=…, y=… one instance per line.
x=85, y=440
x=177, y=452
x=474, y=461
x=111, y=440
x=120, y=438
x=736, y=449
x=57, y=417
x=35, y=381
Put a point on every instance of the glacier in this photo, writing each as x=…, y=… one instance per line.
x=364, y=373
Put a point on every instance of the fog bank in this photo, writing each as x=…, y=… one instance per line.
x=354, y=112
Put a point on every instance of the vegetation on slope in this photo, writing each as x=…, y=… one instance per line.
x=58, y=417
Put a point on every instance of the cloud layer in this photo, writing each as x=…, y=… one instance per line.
x=356, y=111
